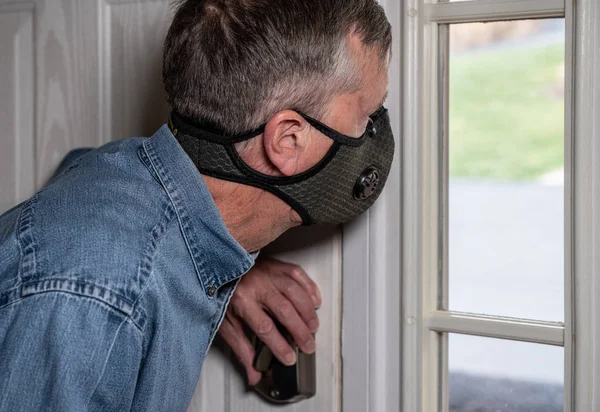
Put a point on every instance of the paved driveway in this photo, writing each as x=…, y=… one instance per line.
x=506, y=258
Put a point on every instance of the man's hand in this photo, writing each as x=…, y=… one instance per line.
x=278, y=289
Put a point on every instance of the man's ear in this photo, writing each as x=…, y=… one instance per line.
x=285, y=138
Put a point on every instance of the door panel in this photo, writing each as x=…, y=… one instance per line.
x=83, y=72
x=66, y=80
x=17, y=170
x=132, y=36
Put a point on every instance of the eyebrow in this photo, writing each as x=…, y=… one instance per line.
x=380, y=105
x=384, y=98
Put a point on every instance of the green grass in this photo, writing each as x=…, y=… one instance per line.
x=504, y=121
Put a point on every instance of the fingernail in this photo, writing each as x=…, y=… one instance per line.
x=315, y=301
x=290, y=358
x=313, y=325
x=309, y=346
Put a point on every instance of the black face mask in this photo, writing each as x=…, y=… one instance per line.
x=344, y=184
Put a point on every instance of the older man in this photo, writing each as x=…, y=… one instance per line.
x=115, y=278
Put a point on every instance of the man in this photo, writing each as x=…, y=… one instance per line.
x=115, y=277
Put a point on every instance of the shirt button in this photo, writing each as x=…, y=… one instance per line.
x=212, y=290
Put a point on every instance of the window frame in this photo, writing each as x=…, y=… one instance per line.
x=425, y=199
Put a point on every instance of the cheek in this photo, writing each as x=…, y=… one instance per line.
x=362, y=127
x=317, y=152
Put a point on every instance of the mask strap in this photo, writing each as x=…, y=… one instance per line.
x=181, y=124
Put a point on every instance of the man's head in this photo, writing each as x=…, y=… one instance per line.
x=232, y=66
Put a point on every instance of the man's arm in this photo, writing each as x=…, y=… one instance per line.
x=64, y=352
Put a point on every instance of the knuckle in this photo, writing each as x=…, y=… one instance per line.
x=265, y=327
x=285, y=308
x=297, y=270
x=290, y=289
x=283, y=348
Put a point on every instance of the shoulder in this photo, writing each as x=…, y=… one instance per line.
x=95, y=225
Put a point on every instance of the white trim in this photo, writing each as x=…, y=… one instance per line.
x=411, y=206
x=493, y=10
x=371, y=285
x=586, y=212
x=569, y=272
x=434, y=349
x=11, y=6
x=104, y=72
x=549, y=333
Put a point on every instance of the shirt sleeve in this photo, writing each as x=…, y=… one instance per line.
x=65, y=352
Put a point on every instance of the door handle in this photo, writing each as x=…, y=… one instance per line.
x=281, y=384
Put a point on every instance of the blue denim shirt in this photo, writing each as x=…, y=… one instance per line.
x=114, y=279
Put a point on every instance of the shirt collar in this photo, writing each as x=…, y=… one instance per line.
x=218, y=257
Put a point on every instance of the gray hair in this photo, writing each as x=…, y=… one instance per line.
x=233, y=64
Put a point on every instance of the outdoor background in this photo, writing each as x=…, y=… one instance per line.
x=506, y=144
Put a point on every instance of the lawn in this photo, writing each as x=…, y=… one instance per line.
x=505, y=120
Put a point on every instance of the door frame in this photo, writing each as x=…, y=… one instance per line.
x=371, y=269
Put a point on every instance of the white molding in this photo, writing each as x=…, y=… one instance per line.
x=15, y=6
x=104, y=72
x=569, y=269
x=586, y=211
x=24, y=91
x=412, y=206
x=434, y=345
x=493, y=10
x=549, y=333
x=371, y=282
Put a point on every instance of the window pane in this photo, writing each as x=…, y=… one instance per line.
x=506, y=143
x=499, y=375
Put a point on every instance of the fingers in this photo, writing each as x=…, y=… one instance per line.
x=233, y=334
x=285, y=312
x=300, y=299
x=299, y=275
x=264, y=328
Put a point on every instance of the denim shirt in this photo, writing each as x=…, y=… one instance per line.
x=114, y=279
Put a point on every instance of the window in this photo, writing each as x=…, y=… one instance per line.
x=498, y=209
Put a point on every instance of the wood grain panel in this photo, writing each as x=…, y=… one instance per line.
x=132, y=36
x=67, y=86
x=17, y=153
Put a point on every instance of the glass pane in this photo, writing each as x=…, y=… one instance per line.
x=506, y=143
x=491, y=375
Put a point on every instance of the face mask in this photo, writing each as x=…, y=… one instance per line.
x=344, y=184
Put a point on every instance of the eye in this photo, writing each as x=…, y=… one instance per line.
x=371, y=129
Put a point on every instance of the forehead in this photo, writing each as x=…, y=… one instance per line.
x=374, y=71
x=374, y=81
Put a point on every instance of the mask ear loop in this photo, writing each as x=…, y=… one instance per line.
x=370, y=131
x=181, y=124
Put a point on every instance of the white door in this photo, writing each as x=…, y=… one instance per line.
x=79, y=73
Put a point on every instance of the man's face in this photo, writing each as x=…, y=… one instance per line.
x=349, y=113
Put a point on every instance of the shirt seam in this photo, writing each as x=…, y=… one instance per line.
x=109, y=305
x=180, y=214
